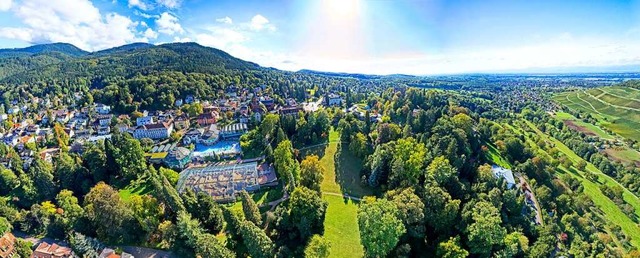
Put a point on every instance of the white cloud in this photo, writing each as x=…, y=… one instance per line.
x=150, y=34
x=172, y=4
x=5, y=5
x=139, y=4
x=226, y=20
x=168, y=24
x=221, y=38
x=259, y=23
x=77, y=22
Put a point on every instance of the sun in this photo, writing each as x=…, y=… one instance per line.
x=342, y=8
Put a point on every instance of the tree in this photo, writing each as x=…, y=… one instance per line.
x=205, y=209
x=287, y=167
x=5, y=225
x=311, y=173
x=250, y=209
x=127, y=156
x=441, y=211
x=110, y=217
x=485, y=232
x=408, y=162
x=307, y=211
x=359, y=145
x=205, y=245
x=8, y=181
x=441, y=171
x=42, y=174
x=451, y=249
x=95, y=160
x=259, y=245
x=318, y=247
x=62, y=138
x=581, y=165
x=410, y=211
x=380, y=228
x=146, y=211
x=71, y=210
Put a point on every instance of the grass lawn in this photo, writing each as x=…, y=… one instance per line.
x=341, y=227
x=135, y=188
x=609, y=208
x=342, y=175
x=494, y=156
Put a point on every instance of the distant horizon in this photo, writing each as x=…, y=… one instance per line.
x=530, y=71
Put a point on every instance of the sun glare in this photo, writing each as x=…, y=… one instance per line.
x=342, y=8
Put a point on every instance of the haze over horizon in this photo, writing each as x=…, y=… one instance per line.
x=355, y=36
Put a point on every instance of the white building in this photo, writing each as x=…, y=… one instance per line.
x=334, y=99
x=506, y=174
x=103, y=109
x=145, y=120
x=153, y=131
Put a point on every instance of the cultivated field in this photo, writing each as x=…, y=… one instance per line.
x=616, y=108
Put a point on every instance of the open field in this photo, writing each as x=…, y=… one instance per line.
x=342, y=176
x=608, y=207
x=581, y=126
x=616, y=108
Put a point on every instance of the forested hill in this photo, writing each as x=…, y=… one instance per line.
x=122, y=61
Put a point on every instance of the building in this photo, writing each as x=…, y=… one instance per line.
x=110, y=253
x=506, y=174
x=145, y=120
x=181, y=122
x=7, y=245
x=192, y=136
x=46, y=250
x=333, y=100
x=207, y=119
x=223, y=181
x=233, y=130
x=290, y=111
x=102, y=109
x=178, y=158
x=153, y=131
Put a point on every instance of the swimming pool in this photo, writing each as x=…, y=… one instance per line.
x=221, y=148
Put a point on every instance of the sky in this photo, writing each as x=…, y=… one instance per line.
x=418, y=37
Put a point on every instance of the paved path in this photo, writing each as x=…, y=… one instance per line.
x=353, y=198
x=37, y=240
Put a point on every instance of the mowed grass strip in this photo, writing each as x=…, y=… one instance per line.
x=592, y=189
x=341, y=220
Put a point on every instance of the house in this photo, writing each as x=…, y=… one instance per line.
x=181, y=122
x=506, y=174
x=268, y=102
x=290, y=111
x=46, y=250
x=63, y=116
x=153, y=131
x=210, y=136
x=192, y=136
x=104, y=120
x=333, y=100
x=207, y=119
x=102, y=109
x=145, y=120
x=110, y=253
x=178, y=102
x=7, y=245
x=178, y=158
x=244, y=118
x=3, y=117
x=13, y=110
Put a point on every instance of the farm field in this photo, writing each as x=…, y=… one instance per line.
x=616, y=108
x=581, y=126
x=608, y=207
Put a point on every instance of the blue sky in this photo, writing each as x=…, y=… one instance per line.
x=375, y=36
